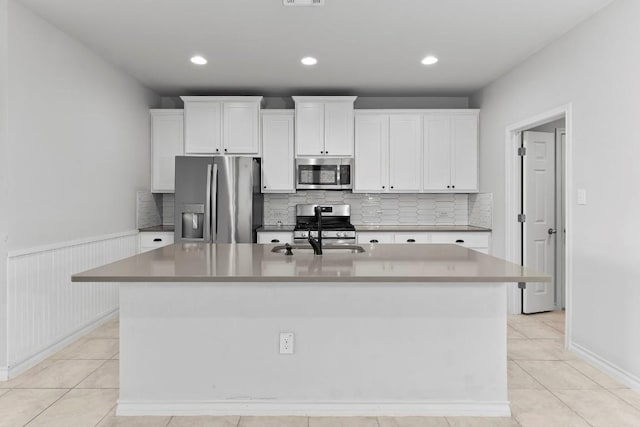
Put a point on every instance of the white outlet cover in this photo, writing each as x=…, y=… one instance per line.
x=286, y=342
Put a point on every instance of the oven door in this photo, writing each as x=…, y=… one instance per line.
x=324, y=174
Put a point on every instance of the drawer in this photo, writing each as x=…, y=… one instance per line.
x=373, y=237
x=152, y=240
x=411, y=237
x=275, y=237
x=469, y=240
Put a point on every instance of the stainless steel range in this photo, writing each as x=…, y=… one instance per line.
x=336, y=224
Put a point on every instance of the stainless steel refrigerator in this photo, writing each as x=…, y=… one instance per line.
x=217, y=199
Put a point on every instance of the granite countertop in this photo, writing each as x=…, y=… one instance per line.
x=389, y=228
x=257, y=263
x=158, y=228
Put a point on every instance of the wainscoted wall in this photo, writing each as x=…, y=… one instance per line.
x=45, y=309
x=421, y=209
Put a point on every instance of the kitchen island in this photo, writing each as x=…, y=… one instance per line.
x=396, y=330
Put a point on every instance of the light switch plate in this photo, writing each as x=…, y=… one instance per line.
x=582, y=196
x=286, y=342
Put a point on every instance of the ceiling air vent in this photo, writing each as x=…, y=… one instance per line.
x=303, y=2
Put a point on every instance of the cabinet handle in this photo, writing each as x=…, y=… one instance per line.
x=275, y=241
x=265, y=186
x=326, y=152
x=392, y=186
x=373, y=241
x=217, y=150
x=448, y=186
x=322, y=152
x=157, y=239
x=459, y=241
x=383, y=186
x=225, y=150
x=411, y=240
x=453, y=186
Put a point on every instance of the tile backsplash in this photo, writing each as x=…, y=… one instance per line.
x=481, y=210
x=371, y=209
x=168, y=202
x=154, y=209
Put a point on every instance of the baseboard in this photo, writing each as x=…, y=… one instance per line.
x=16, y=369
x=293, y=408
x=624, y=377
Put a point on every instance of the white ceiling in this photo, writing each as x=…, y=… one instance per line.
x=364, y=47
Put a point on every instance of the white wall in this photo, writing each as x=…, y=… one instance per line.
x=74, y=148
x=79, y=137
x=4, y=185
x=595, y=67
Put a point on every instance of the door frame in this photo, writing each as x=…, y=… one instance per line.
x=512, y=198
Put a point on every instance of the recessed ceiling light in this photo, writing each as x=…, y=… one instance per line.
x=198, y=60
x=429, y=60
x=309, y=60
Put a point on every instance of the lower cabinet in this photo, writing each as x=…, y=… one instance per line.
x=150, y=240
x=275, y=237
x=476, y=240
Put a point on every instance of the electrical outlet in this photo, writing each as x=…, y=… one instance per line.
x=286, y=342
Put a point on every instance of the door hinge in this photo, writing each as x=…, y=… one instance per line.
x=522, y=151
x=522, y=285
x=522, y=217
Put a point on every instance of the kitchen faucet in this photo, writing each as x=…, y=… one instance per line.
x=316, y=244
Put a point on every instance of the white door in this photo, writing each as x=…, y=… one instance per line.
x=309, y=129
x=372, y=145
x=437, y=153
x=202, y=127
x=464, y=168
x=240, y=130
x=338, y=129
x=277, y=153
x=405, y=152
x=539, y=226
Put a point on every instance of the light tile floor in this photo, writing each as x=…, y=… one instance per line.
x=548, y=386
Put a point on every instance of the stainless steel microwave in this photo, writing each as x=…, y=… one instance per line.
x=324, y=174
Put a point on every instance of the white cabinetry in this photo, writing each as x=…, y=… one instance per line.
x=222, y=125
x=413, y=151
x=275, y=237
x=388, y=153
x=324, y=126
x=277, y=152
x=451, y=152
x=476, y=240
x=166, y=143
x=150, y=240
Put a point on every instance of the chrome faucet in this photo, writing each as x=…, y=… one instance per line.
x=316, y=243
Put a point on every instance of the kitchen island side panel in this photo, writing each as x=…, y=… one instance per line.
x=379, y=348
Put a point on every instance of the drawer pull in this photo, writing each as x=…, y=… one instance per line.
x=373, y=241
x=157, y=239
x=459, y=241
x=275, y=240
x=411, y=240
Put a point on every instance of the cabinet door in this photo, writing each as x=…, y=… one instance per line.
x=464, y=173
x=437, y=153
x=275, y=237
x=167, y=133
x=372, y=146
x=338, y=129
x=203, y=127
x=405, y=152
x=309, y=129
x=240, y=130
x=277, y=153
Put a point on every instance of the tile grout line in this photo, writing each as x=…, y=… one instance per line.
x=44, y=409
x=105, y=415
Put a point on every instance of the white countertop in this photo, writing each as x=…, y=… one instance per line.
x=257, y=263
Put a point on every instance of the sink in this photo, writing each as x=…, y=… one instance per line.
x=326, y=249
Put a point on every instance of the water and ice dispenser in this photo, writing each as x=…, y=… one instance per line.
x=193, y=222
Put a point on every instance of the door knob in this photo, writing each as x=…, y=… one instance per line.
x=552, y=231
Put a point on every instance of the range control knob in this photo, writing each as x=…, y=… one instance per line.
x=340, y=234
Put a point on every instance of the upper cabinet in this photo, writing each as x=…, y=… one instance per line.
x=414, y=151
x=222, y=125
x=277, y=152
x=451, y=152
x=324, y=126
x=166, y=143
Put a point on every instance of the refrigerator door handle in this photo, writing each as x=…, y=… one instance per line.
x=207, y=206
x=213, y=196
